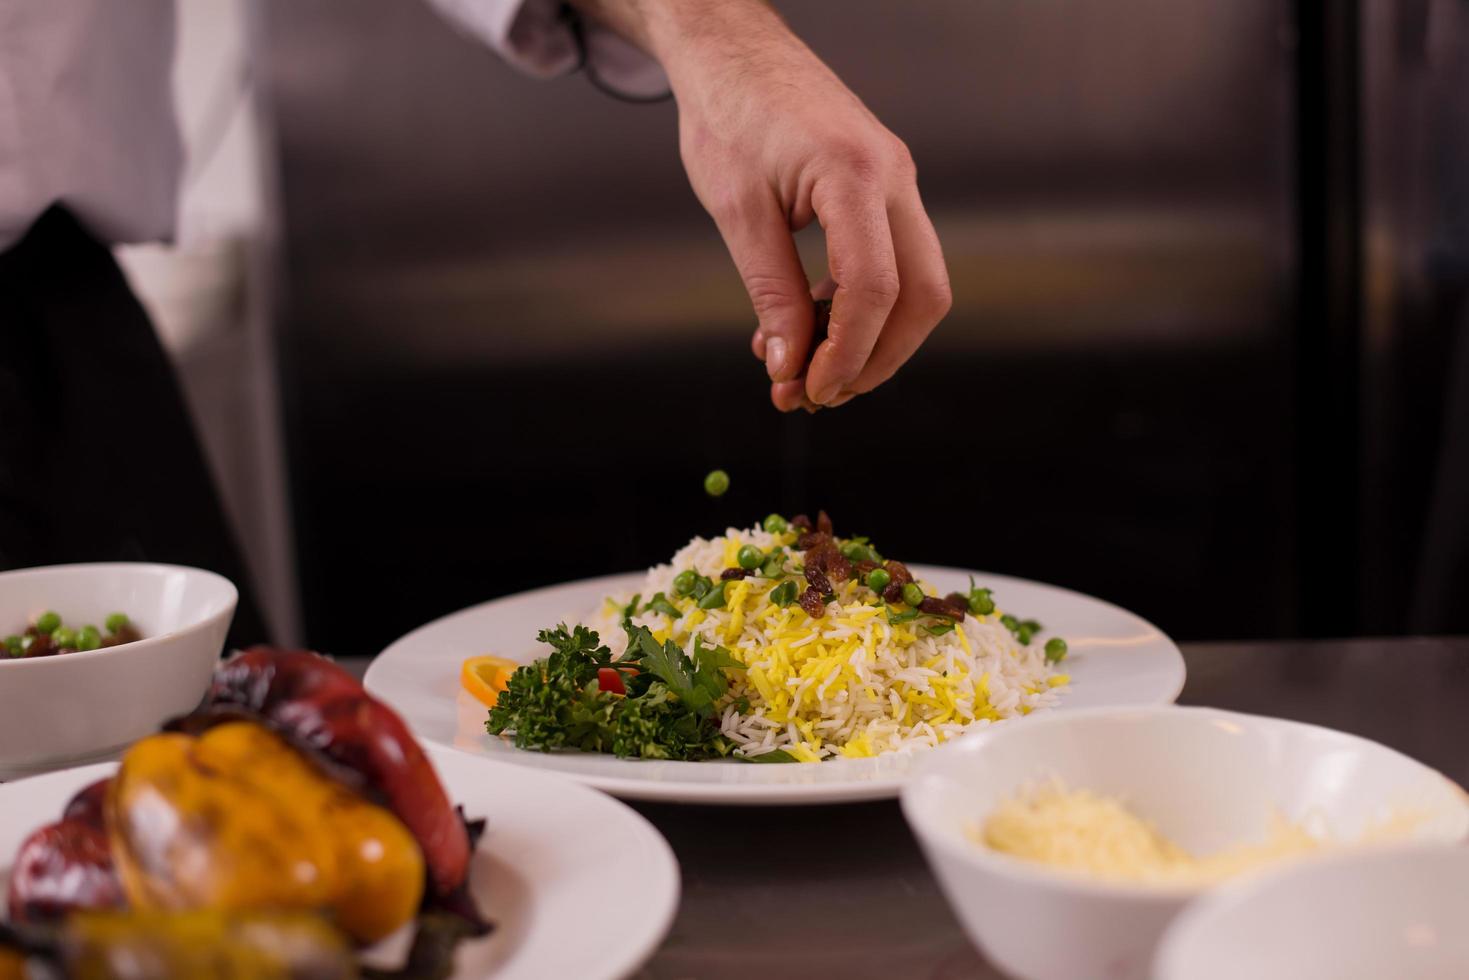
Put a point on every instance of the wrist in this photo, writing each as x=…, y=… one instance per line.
x=691, y=37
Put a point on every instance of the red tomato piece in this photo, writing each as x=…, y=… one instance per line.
x=610, y=680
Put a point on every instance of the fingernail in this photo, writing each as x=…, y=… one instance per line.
x=775, y=357
x=842, y=399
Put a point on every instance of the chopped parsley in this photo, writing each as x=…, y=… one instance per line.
x=669, y=711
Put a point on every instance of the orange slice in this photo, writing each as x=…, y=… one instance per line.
x=485, y=677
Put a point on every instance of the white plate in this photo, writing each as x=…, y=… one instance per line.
x=577, y=884
x=1115, y=659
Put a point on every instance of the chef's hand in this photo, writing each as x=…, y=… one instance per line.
x=771, y=139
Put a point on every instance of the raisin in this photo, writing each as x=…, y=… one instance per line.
x=823, y=523
x=801, y=522
x=812, y=601
x=893, y=593
x=838, y=566
x=817, y=579
x=958, y=600
x=935, y=606
x=730, y=573
x=898, y=571
x=861, y=568
x=812, y=540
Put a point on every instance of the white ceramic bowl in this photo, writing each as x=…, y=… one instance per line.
x=1208, y=779
x=80, y=707
x=1397, y=913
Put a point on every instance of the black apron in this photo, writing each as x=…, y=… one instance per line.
x=98, y=458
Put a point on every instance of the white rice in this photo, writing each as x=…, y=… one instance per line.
x=848, y=684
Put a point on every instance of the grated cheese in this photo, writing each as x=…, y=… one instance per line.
x=1099, y=836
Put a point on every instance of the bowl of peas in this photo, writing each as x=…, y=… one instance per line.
x=95, y=656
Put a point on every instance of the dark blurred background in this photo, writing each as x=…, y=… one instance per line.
x=1206, y=281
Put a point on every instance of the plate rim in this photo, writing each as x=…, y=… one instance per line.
x=886, y=787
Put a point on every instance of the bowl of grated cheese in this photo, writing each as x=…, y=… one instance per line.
x=1066, y=846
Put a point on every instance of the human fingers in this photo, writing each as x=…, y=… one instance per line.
x=862, y=262
x=925, y=296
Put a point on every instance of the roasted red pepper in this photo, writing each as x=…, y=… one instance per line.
x=66, y=865
x=320, y=707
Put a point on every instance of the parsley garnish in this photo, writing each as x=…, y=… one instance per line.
x=669, y=711
x=784, y=594
x=659, y=603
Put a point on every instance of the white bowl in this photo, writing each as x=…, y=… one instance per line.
x=81, y=707
x=1208, y=779
x=1398, y=914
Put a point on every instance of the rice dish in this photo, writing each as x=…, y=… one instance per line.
x=864, y=678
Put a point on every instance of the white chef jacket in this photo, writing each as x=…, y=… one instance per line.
x=87, y=116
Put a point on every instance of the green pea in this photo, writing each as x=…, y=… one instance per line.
x=48, y=622
x=116, y=622
x=64, y=636
x=1031, y=625
x=683, y=584
x=912, y=594
x=1055, y=650
x=1024, y=634
x=980, y=602
x=856, y=551
x=716, y=483
x=750, y=557
x=89, y=638
x=13, y=645
x=1010, y=622
x=714, y=598
x=775, y=524
x=878, y=579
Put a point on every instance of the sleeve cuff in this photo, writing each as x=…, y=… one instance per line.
x=547, y=38
x=617, y=66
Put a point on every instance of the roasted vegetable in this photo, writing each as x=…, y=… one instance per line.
x=290, y=791
x=88, y=805
x=174, y=945
x=237, y=819
x=66, y=865
x=321, y=708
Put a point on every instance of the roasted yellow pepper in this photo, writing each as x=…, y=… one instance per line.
x=237, y=819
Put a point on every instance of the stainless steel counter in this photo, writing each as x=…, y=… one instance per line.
x=843, y=891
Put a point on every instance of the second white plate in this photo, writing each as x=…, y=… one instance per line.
x=1115, y=659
